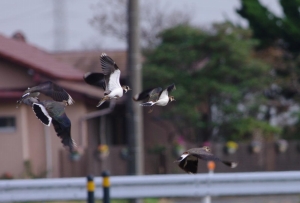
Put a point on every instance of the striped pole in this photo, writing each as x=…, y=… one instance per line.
x=90, y=186
x=106, y=185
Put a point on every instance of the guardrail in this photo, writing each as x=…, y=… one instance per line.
x=200, y=185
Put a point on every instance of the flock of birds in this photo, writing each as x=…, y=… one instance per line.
x=53, y=111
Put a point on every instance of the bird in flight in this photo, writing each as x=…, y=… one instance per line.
x=50, y=111
x=50, y=89
x=188, y=161
x=157, y=96
x=109, y=79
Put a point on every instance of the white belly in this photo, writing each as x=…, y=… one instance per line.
x=162, y=102
x=116, y=93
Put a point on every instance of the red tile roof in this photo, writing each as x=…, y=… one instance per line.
x=10, y=94
x=36, y=59
x=89, y=60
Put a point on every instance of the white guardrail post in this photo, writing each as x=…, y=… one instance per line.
x=153, y=186
x=211, y=167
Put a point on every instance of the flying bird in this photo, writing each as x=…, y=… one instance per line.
x=49, y=111
x=109, y=79
x=49, y=89
x=157, y=96
x=188, y=161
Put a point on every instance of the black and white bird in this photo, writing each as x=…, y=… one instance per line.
x=188, y=161
x=109, y=79
x=49, y=89
x=49, y=111
x=157, y=96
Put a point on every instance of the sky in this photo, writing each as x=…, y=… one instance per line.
x=35, y=18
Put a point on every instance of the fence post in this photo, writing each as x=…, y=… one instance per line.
x=106, y=185
x=90, y=186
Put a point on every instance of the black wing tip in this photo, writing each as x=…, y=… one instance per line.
x=40, y=114
x=95, y=79
x=230, y=164
x=171, y=87
x=143, y=95
x=104, y=58
x=188, y=166
x=139, y=97
x=87, y=74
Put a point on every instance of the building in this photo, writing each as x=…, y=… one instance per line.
x=28, y=148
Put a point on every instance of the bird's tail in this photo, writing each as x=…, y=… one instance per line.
x=230, y=164
x=150, y=103
x=69, y=143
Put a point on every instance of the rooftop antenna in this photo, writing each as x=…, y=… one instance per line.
x=59, y=22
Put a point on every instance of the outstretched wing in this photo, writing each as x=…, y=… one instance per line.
x=41, y=113
x=189, y=164
x=111, y=71
x=154, y=94
x=95, y=79
x=62, y=127
x=203, y=154
x=171, y=88
x=52, y=90
x=207, y=156
x=143, y=95
x=166, y=91
x=108, y=65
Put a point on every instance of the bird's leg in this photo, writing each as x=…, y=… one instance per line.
x=19, y=103
x=150, y=110
x=105, y=98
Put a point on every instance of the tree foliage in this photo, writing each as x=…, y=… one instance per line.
x=279, y=38
x=219, y=81
x=271, y=29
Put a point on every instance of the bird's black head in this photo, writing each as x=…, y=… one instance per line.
x=126, y=88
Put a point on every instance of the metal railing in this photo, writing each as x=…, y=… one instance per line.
x=122, y=187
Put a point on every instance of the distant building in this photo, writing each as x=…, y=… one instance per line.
x=27, y=147
x=30, y=149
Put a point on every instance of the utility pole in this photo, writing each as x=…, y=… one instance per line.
x=59, y=22
x=134, y=114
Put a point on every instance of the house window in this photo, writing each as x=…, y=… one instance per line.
x=7, y=124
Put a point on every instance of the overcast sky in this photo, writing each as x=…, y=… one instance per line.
x=35, y=19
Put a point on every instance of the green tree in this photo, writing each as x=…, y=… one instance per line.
x=219, y=81
x=281, y=33
x=271, y=29
x=279, y=38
